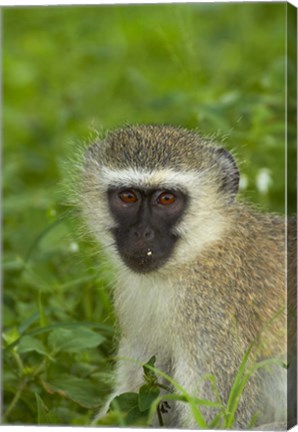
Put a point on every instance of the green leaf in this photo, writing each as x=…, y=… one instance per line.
x=11, y=337
x=125, y=401
x=147, y=395
x=82, y=391
x=28, y=322
x=41, y=410
x=29, y=343
x=44, y=416
x=12, y=342
x=128, y=403
x=150, y=375
x=74, y=340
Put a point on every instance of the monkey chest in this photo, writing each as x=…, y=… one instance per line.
x=145, y=314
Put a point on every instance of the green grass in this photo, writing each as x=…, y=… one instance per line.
x=66, y=71
x=140, y=409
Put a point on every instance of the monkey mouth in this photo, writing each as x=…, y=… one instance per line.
x=143, y=255
x=143, y=261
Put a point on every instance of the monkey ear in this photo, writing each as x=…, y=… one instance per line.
x=229, y=172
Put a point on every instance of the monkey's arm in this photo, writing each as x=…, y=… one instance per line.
x=128, y=374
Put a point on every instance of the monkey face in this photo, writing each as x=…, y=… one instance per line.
x=145, y=219
x=153, y=195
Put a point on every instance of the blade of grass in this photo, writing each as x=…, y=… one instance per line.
x=241, y=386
x=41, y=235
x=42, y=315
x=234, y=393
x=191, y=400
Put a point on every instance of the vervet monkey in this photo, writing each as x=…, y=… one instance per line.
x=199, y=275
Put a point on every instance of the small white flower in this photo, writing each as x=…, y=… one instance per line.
x=263, y=180
x=73, y=247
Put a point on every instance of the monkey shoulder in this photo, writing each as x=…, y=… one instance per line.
x=245, y=267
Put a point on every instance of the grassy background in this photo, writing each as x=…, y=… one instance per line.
x=216, y=67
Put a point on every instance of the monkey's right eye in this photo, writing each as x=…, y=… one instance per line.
x=128, y=197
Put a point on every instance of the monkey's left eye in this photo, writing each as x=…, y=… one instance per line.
x=166, y=198
x=128, y=196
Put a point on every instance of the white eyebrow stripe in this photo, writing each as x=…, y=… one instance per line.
x=145, y=178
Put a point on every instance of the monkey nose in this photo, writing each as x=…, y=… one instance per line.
x=146, y=234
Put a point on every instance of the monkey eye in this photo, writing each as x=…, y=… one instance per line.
x=166, y=198
x=128, y=196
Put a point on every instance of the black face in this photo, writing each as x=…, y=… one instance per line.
x=145, y=221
